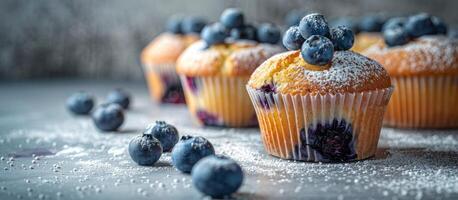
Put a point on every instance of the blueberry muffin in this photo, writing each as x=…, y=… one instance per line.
x=322, y=103
x=423, y=65
x=159, y=57
x=215, y=70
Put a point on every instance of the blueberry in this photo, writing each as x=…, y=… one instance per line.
x=232, y=18
x=395, y=22
x=314, y=24
x=317, y=50
x=214, y=34
x=439, y=26
x=108, y=117
x=173, y=94
x=191, y=83
x=80, y=103
x=193, y=24
x=395, y=36
x=145, y=149
x=217, y=176
x=419, y=25
x=293, y=18
x=189, y=150
x=174, y=25
x=332, y=142
x=342, y=38
x=207, y=118
x=292, y=39
x=165, y=133
x=268, y=33
x=246, y=32
x=347, y=22
x=371, y=23
x=119, y=97
x=268, y=90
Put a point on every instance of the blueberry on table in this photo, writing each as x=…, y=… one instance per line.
x=108, y=117
x=342, y=38
x=268, y=33
x=314, y=24
x=317, y=50
x=217, y=176
x=292, y=39
x=371, y=23
x=189, y=150
x=119, y=97
x=165, y=133
x=214, y=34
x=80, y=103
x=246, y=32
x=395, y=36
x=193, y=24
x=145, y=149
x=419, y=25
x=174, y=25
x=232, y=18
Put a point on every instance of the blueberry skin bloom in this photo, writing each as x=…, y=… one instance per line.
x=217, y=176
x=165, y=133
x=119, y=97
x=395, y=36
x=292, y=39
x=214, y=34
x=317, y=50
x=108, y=117
x=80, y=103
x=232, y=18
x=314, y=24
x=342, y=38
x=145, y=149
x=268, y=33
x=419, y=25
x=189, y=150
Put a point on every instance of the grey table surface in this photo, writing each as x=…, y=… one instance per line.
x=61, y=156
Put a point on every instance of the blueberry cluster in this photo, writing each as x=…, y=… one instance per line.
x=317, y=40
x=108, y=116
x=400, y=30
x=185, y=25
x=232, y=25
x=217, y=176
x=146, y=149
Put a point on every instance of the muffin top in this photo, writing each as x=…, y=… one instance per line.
x=364, y=40
x=288, y=73
x=237, y=58
x=166, y=48
x=427, y=55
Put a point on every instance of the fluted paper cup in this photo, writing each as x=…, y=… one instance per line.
x=163, y=83
x=321, y=128
x=219, y=101
x=423, y=102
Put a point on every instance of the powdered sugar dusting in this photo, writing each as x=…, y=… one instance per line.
x=348, y=70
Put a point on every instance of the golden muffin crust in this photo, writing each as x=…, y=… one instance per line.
x=427, y=55
x=366, y=40
x=239, y=58
x=166, y=48
x=288, y=73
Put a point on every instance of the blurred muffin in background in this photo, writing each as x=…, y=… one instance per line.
x=214, y=71
x=423, y=64
x=369, y=28
x=159, y=58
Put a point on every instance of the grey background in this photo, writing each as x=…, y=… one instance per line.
x=102, y=39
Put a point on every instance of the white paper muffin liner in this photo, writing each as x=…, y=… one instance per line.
x=357, y=117
x=423, y=102
x=161, y=79
x=219, y=101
